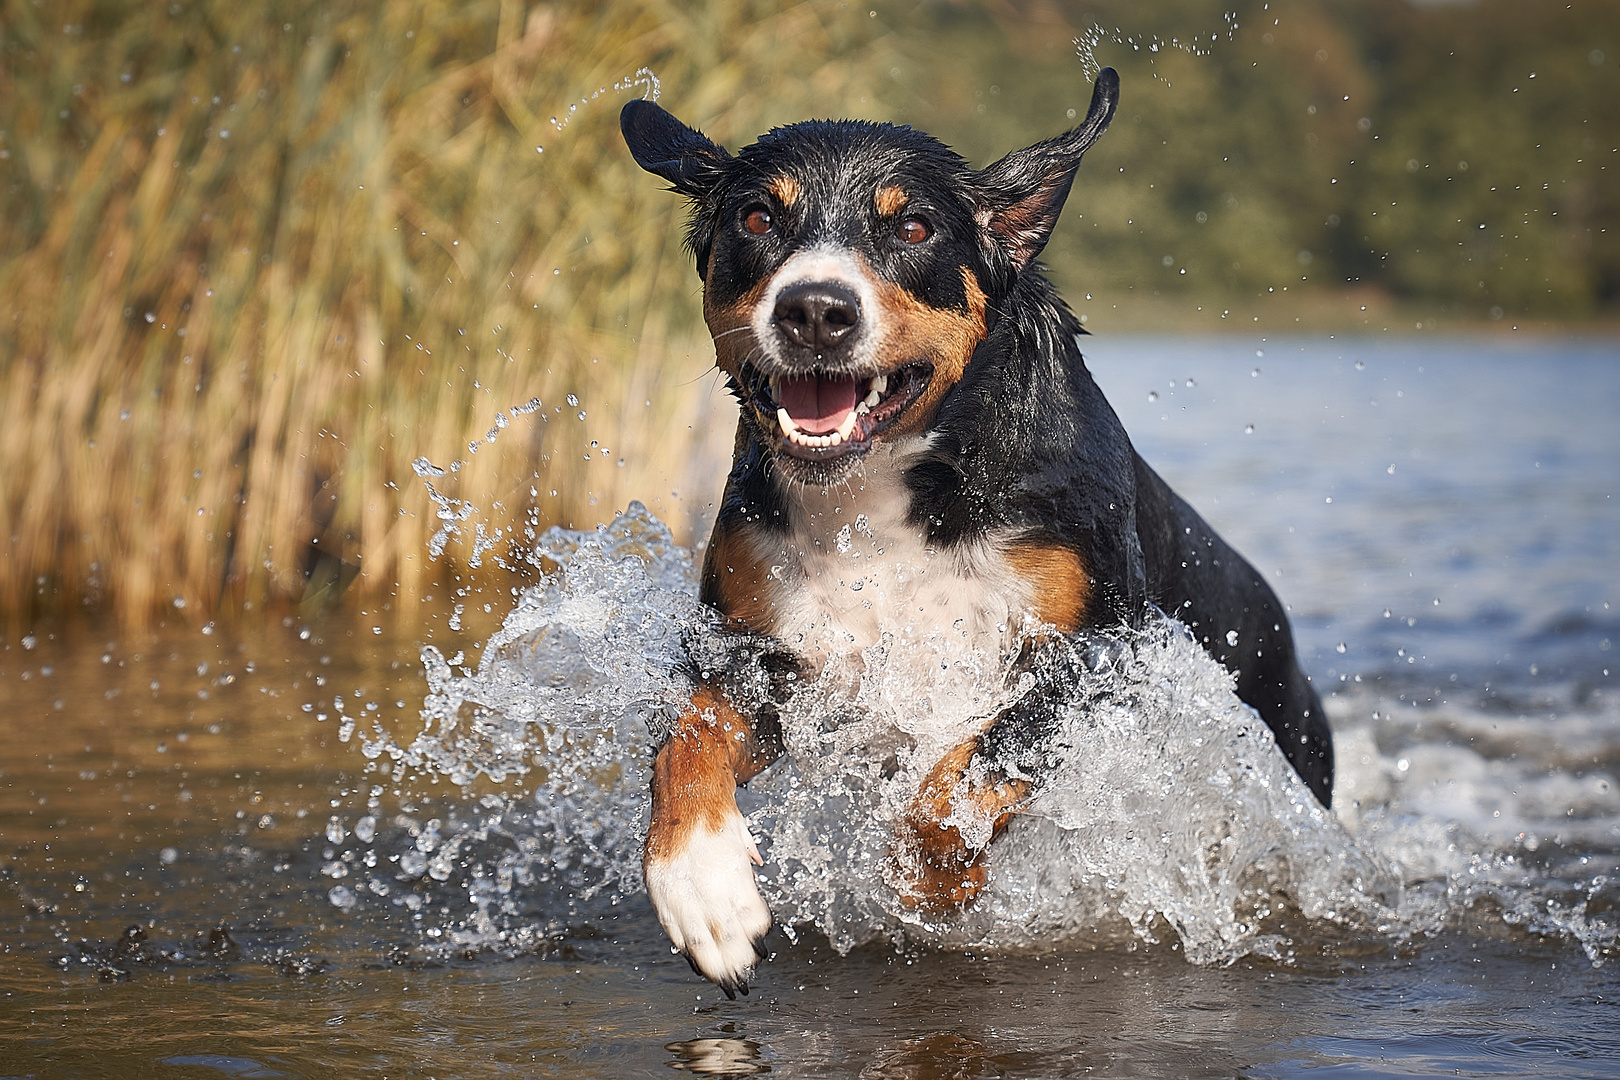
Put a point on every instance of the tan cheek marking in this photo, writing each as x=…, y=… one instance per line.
x=889, y=200
x=1059, y=584
x=737, y=582
x=728, y=322
x=915, y=331
x=785, y=190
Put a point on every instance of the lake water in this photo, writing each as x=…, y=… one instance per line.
x=211, y=868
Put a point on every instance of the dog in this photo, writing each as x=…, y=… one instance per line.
x=903, y=366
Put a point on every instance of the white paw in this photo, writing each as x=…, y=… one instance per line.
x=707, y=901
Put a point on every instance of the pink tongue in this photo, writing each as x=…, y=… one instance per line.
x=819, y=403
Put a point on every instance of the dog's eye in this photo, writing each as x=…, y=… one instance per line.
x=757, y=221
x=913, y=230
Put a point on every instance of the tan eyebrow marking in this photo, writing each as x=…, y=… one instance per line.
x=889, y=200
x=784, y=189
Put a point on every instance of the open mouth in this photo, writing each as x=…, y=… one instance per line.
x=822, y=415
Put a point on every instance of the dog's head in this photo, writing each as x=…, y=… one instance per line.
x=850, y=269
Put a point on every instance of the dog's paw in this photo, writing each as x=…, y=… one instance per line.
x=709, y=905
x=940, y=852
x=933, y=870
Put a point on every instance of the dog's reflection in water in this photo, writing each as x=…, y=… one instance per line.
x=717, y=1057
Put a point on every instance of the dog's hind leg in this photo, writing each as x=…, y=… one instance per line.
x=697, y=863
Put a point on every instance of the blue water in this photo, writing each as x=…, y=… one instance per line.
x=1467, y=487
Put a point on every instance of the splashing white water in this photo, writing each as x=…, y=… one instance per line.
x=1168, y=809
x=643, y=77
x=1152, y=44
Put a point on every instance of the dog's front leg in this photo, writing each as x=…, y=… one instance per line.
x=699, y=860
x=980, y=784
x=936, y=866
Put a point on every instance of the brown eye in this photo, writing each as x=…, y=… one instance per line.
x=758, y=221
x=914, y=230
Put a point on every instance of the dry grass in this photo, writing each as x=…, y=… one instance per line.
x=256, y=258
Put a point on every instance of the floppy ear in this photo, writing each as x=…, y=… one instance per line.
x=663, y=145
x=1022, y=194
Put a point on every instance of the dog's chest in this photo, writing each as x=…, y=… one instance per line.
x=851, y=568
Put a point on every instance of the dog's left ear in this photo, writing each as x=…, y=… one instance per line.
x=663, y=145
x=1021, y=195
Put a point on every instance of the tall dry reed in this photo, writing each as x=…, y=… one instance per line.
x=255, y=259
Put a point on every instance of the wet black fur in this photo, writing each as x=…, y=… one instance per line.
x=1025, y=441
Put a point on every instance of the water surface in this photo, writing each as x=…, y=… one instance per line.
x=207, y=875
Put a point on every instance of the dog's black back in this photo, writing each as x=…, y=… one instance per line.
x=1060, y=460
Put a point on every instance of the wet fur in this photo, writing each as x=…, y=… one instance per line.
x=1004, y=498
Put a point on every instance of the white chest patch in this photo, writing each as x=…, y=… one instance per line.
x=851, y=569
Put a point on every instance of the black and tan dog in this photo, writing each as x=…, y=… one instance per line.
x=917, y=418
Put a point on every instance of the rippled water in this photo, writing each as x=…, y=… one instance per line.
x=439, y=876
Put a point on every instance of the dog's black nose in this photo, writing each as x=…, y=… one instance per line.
x=817, y=314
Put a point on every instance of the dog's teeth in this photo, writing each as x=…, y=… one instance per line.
x=788, y=426
x=872, y=399
x=880, y=386
x=862, y=408
x=846, y=429
x=776, y=387
x=834, y=439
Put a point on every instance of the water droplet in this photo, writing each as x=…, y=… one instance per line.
x=573, y=401
x=1340, y=647
x=1232, y=637
x=1248, y=429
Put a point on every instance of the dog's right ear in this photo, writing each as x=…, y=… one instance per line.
x=663, y=145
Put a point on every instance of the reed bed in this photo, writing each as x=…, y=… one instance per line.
x=259, y=258
x=256, y=259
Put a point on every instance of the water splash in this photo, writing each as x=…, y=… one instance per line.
x=1153, y=45
x=1170, y=813
x=642, y=77
x=453, y=513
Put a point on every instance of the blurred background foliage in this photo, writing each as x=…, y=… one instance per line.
x=256, y=259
